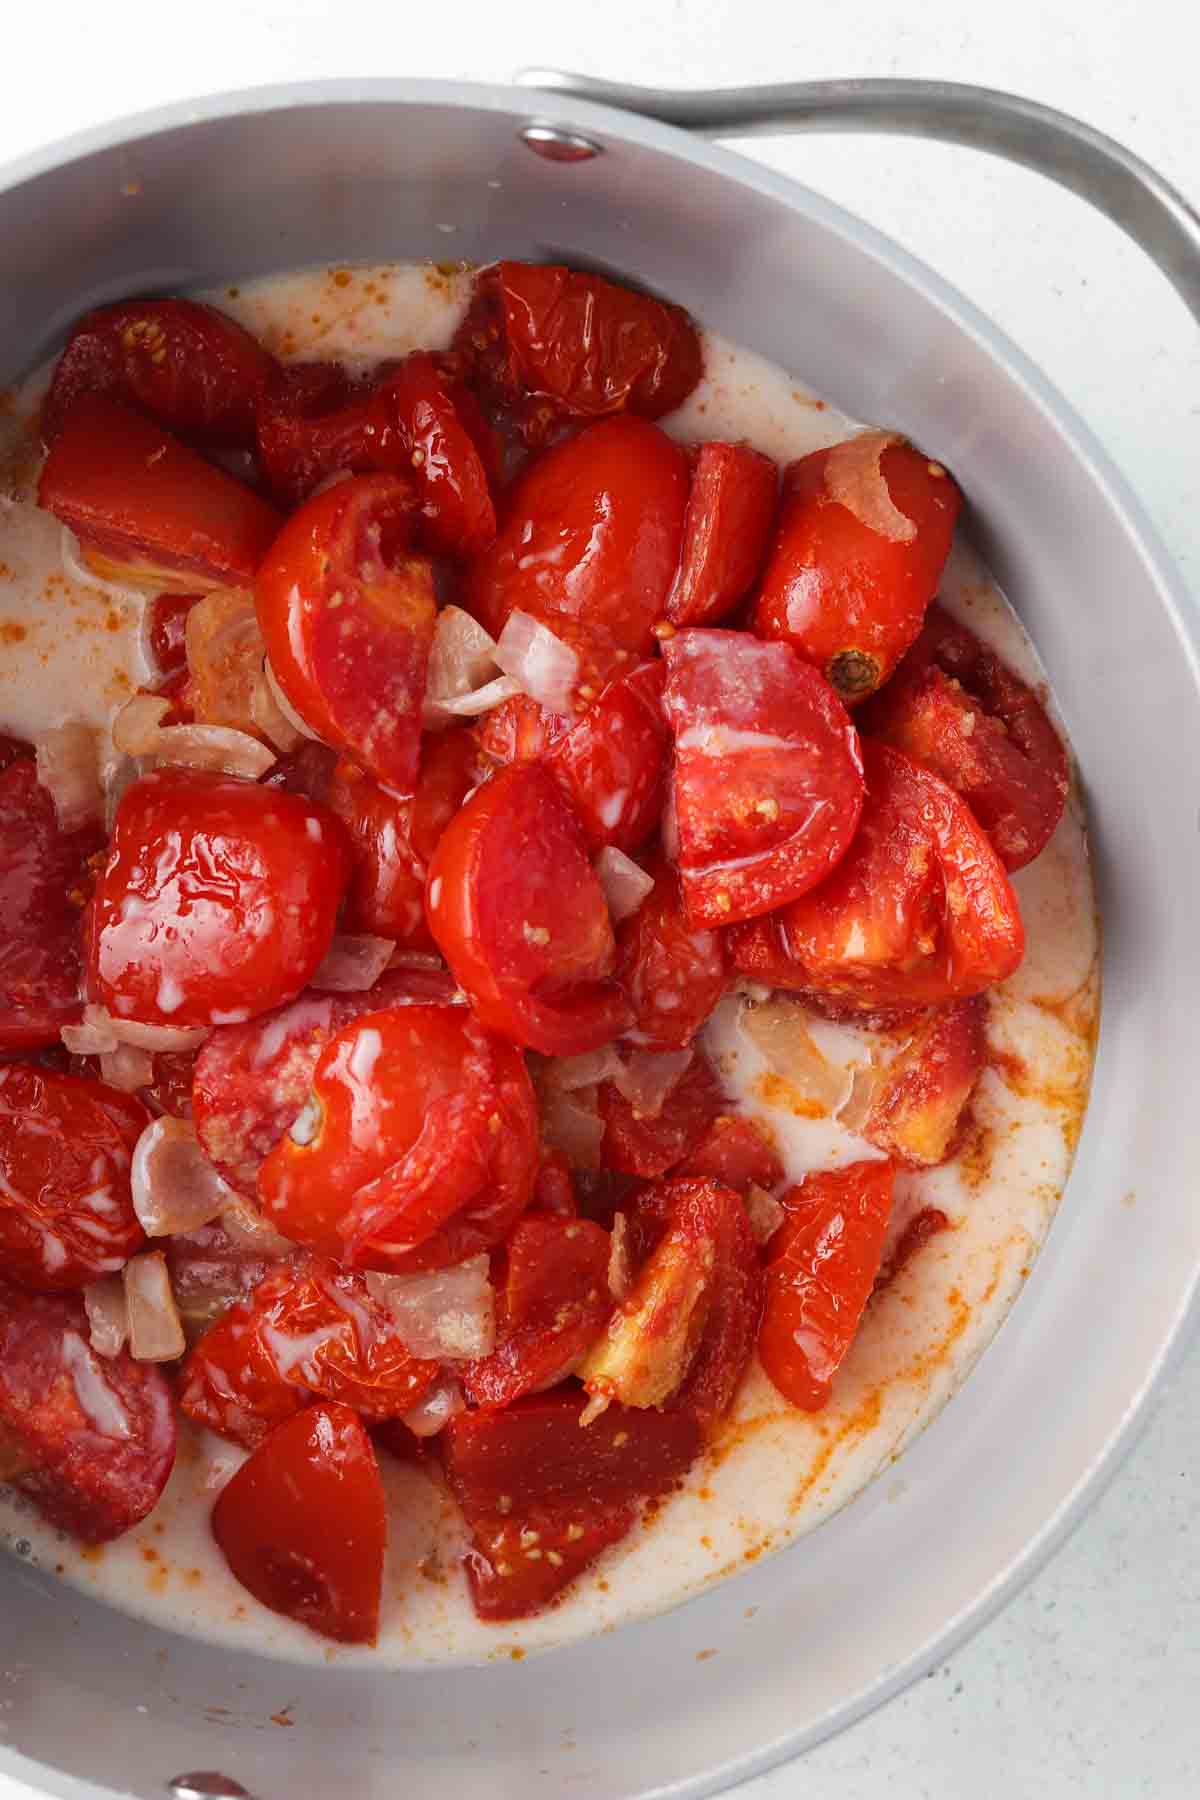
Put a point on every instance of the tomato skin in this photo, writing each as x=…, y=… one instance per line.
x=219, y=897
x=66, y=1216
x=555, y=1301
x=956, y=708
x=612, y=765
x=517, y=912
x=303, y=1524
x=768, y=773
x=735, y=1152
x=347, y=616
x=148, y=510
x=311, y=1328
x=824, y=1261
x=589, y=538
x=44, y=881
x=188, y=366
x=87, y=1483
x=166, y=633
x=649, y=1147
x=545, y=341
x=673, y=975
x=880, y=931
x=848, y=599
x=730, y=510
x=915, y=1112
x=518, y=730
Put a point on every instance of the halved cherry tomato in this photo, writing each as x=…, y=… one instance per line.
x=545, y=341
x=303, y=1524
x=848, y=598
x=95, y=1434
x=920, y=910
x=531, y=1479
x=44, y=882
x=166, y=630
x=516, y=910
x=824, y=1260
x=673, y=975
x=448, y=471
x=954, y=707
x=915, y=1111
x=147, y=510
x=589, y=540
x=252, y=1080
x=66, y=1216
x=612, y=765
x=348, y=616
x=725, y=530
x=311, y=1328
x=188, y=366
x=638, y=1144
x=554, y=1302
x=418, y=1147
x=169, y=1089
x=768, y=775
x=735, y=1151
x=217, y=902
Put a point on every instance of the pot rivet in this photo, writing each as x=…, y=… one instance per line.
x=557, y=144
x=206, y=1784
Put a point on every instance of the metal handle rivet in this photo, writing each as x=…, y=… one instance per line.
x=557, y=144
x=206, y=1784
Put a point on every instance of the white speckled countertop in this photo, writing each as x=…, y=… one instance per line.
x=1087, y=1685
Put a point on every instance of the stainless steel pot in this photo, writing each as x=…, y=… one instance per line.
x=249, y=183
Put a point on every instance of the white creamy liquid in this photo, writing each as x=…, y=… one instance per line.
x=70, y=651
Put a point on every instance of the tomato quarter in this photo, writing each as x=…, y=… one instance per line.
x=730, y=509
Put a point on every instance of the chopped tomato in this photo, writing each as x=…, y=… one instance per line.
x=169, y=1089
x=94, y=1435
x=554, y=1302
x=185, y=364
x=673, y=975
x=66, y=1216
x=824, y=1260
x=348, y=615
x=921, y=1229
x=546, y=342
x=612, y=765
x=957, y=709
x=218, y=900
x=166, y=630
x=518, y=730
x=147, y=510
x=554, y=1188
x=543, y=1495
x=915, y=1111
x=737, y=1152
x=448, y=471
x=846, y=596
x=768, y=775
x=44, y=882
x=638, y=1144
x=386, y=895
x=920, y=910
x=312, y=422
x=589, y=540
x=518, y=913
x=311, y=1328
x=418, y=1145
x=303, y=1524
x=725, y=530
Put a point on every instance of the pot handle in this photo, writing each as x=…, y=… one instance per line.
x=1118, y=183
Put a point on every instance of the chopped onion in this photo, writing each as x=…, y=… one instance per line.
x=447, y=1314
x=620, y=1259
x=584, y=1070
x=779, y=1030
x=155, y=1038
x=245, y=1225
x=107, y=1314
x=625, y=884
x=352, y=964
x=92, y=1038
x=284, y=704
x=572, y=1124
x=155, y=1328
x=649, y=1077
x=78, y=570
x=441, y=1404
x=865, y=1082
x=854, y=479
x=268, y=716
x=175, y=1187
x=126, y=1067
x=764, y=1213
x=472, y=705
x=462, y=664
x=138, y=731
x=126, y=772
x=68, y=767
x=546, y=668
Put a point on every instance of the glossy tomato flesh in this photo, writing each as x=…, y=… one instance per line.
x=730, y=509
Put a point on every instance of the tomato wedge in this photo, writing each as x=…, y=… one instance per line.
x=735, y=1151
x=730, y=510
x=863, y=535
x=516, y=910
x=915, y=1111
x=218, y=900
x=555, y=1301
x=146, y=510
x=612, y=765
x=673, y=975
x=637, y=1143
x=768, y=775
x=303, y=1524
x=957, y=709
x=347, y=615
x=824, y=1261
x=920, y=911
